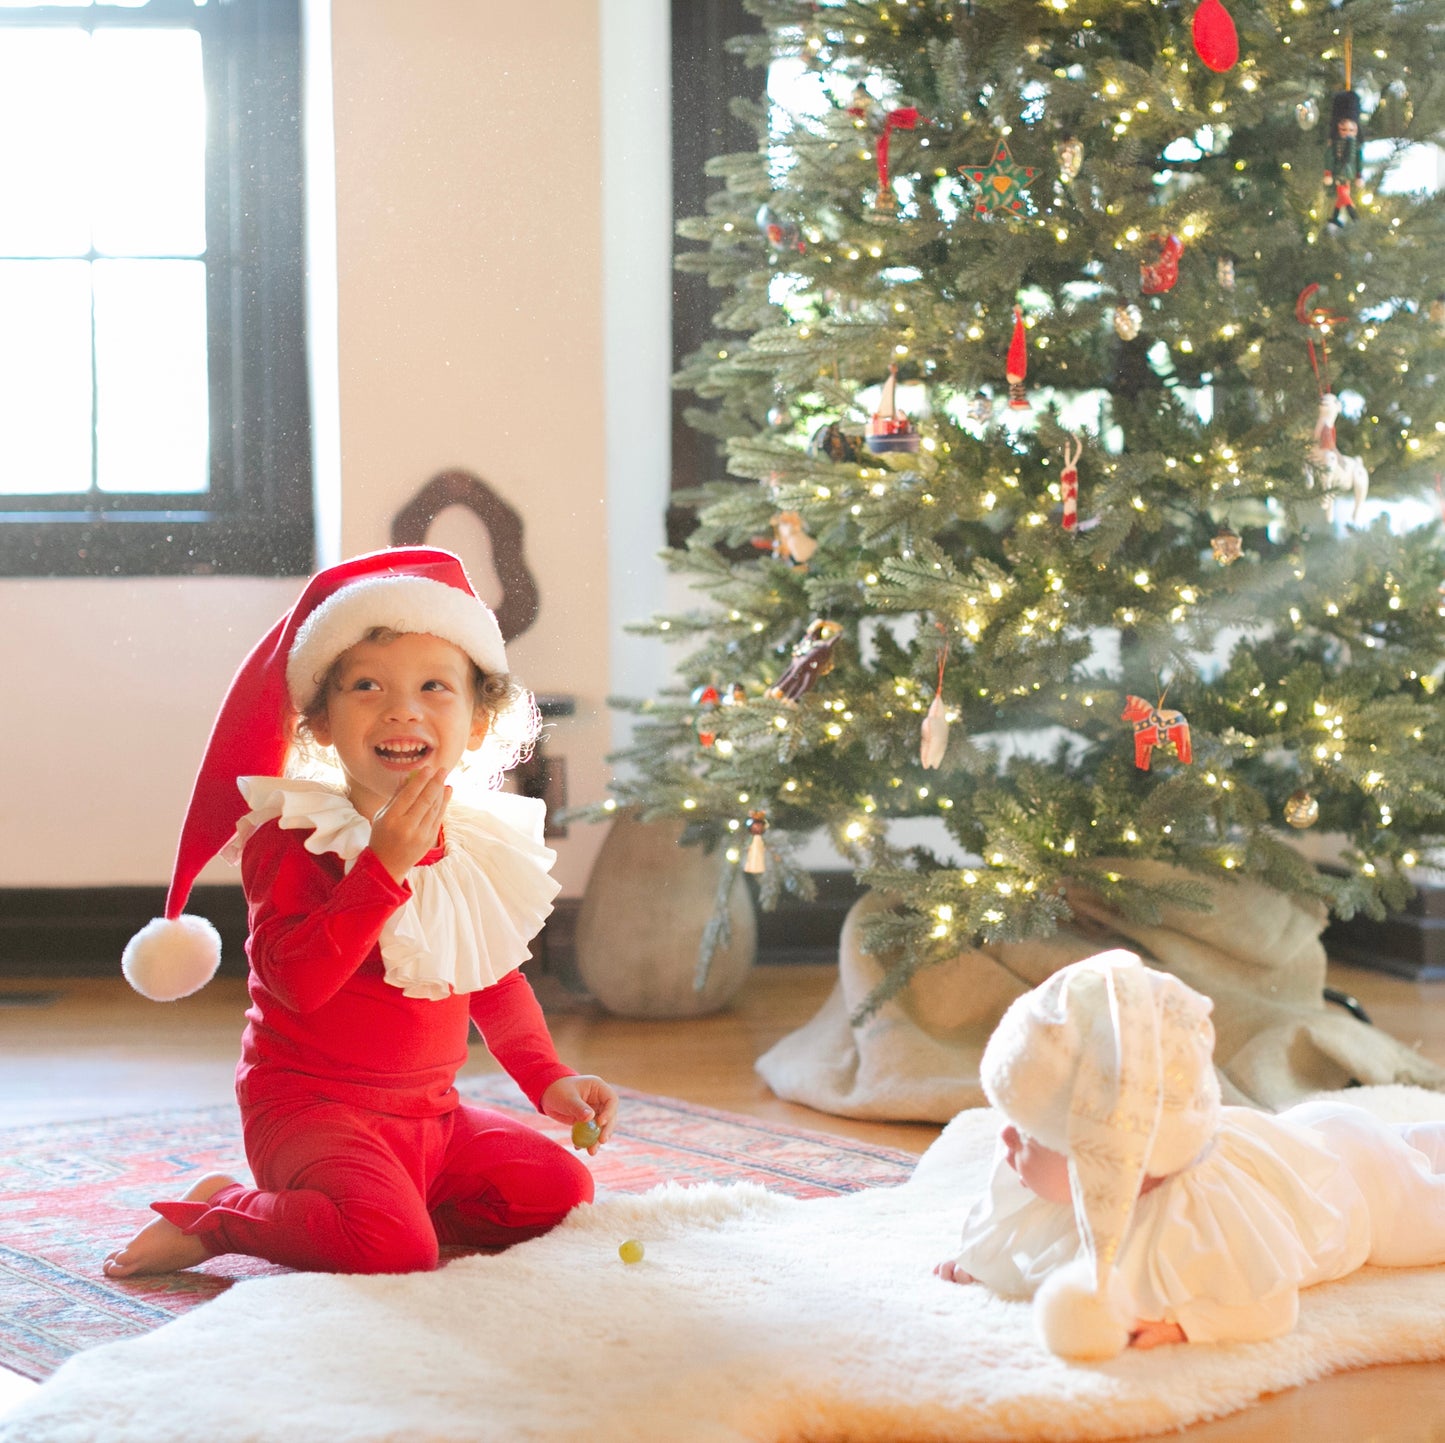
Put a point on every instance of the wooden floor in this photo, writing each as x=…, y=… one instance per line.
x=93, y=1048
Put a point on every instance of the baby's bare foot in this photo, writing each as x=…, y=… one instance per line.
x=160, y=1246
x=950, y=1272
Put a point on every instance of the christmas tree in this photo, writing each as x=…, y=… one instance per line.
x=1077, y=365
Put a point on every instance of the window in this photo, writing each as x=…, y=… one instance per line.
x=153, y=402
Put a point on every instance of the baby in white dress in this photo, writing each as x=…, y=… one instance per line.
x=1136, y=1210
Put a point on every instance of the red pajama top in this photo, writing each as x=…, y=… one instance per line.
x=325, y=1024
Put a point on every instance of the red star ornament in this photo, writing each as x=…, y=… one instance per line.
x=1000, y=182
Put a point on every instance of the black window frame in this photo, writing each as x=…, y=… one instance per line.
x=257, y=519
x=705, y=78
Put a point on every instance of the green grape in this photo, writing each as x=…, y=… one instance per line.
x=585, y=1133
x=630, y=1251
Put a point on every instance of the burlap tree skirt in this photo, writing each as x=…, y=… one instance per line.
x=1257, y=954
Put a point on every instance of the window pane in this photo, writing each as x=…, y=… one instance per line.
x=150, y=353
x=44, y=377
x=31, y=4
x=45, y=160
x=150, y=142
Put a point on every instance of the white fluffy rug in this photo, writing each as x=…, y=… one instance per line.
x=752, y=1317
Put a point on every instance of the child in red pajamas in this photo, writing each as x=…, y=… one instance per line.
x=383, y=922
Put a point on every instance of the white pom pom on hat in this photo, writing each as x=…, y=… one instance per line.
x=169, y=958
x=403, y=588
x=1080, y=1316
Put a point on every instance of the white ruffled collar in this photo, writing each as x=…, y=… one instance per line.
x=471, y=914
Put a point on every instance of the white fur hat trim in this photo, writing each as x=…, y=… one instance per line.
x=401, y=603
x=170, y=958
x=1077, y=1319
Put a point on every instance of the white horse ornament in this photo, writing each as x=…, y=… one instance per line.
x=1327, y=467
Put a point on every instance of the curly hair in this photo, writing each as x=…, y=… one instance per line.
x=513, y=721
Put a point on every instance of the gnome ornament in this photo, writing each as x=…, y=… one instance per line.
x=1017, y=365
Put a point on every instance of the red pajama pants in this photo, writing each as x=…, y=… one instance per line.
x=340, y=1189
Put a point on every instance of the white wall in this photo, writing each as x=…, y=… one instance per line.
x=468, y=309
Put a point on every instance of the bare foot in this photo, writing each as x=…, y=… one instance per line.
x=1156, y=1335
x=160, y=1246
x=950, y=1272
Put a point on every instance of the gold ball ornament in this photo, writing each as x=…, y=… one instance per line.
x=585, y=1133
x=1301, y=810
x=1127, y=321
x=631, y=1251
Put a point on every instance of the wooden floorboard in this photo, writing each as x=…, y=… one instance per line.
x=91, y=1048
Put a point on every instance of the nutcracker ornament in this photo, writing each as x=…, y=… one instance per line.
x=1343, y=166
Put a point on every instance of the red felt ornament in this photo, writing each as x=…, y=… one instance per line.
x=1156, y=726
x=1215, y=40
x=904, y=118
x=1069, y=482
x=1159, y=274
x=1017, y=365
x=706, y=698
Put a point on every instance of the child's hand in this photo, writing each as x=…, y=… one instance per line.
x=576, y=1099
x=950, y=1272
x=405, y=829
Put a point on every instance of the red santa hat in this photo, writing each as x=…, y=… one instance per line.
x=406, y=589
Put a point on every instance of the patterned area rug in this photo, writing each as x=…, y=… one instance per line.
x=70, y=1193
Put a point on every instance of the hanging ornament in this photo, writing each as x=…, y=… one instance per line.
x=903, y=118
x=1000, y=183
x=888, y=428
x=735, y=694
x=1301, y=810
x=860, y=106
x=791, y=539
x=757, y=854
x=934, y=741
x=1159, y=273
x=1307, y=113
x=1216, y=42
x=705, y=699
x=1127, y=321
x=832, y=443
x=1156, y=726
x=1017, y=365
x=1224, y=272
x=1069, y=482
x=1342, y=166
x=980, y=409
x=1071, y=158
x=779, y=416
x=812, y=658
x=780, y=234
x=1226, y=545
